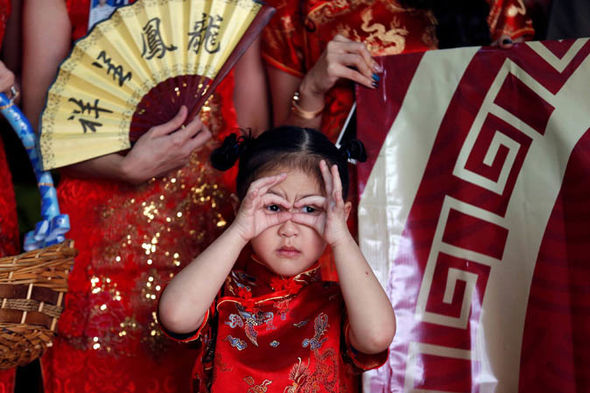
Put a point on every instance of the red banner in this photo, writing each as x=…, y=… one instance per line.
x=475, y=215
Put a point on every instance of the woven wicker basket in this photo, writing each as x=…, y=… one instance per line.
x=33, y=284
x=32, y=288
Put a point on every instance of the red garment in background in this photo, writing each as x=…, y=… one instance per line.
x=267, y=333
x=509, y=18
x=131, y=241
x=300, y=30
x=9, y=241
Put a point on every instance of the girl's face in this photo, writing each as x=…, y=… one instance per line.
x=290, y=248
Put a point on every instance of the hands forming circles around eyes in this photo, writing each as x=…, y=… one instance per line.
x=342, y=58
x=327, y=215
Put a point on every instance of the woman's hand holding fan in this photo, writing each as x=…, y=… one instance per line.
x=134, y=72
x=164, y=148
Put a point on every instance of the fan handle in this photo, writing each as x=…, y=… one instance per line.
x=260, y=21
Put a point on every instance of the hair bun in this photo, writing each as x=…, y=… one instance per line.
x=353, y=149
x=225, y=156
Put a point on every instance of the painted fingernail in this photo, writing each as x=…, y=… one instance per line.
x=376, y=77
x=506, y=41
x=377, y=67
x=375, y=84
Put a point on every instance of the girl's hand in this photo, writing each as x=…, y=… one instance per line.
x=261, y=210
x=164, y=148
x=342, y=58
x=327, y=215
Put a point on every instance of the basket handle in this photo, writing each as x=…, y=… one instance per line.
x=53, y=225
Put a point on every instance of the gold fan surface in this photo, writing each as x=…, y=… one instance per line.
x=91, y=103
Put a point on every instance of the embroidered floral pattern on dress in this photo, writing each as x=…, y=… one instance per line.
x=261, y=388
x=240, y=345
x=280, y=351
x=320, y=327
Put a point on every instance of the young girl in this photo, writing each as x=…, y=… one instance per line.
x=275, y=326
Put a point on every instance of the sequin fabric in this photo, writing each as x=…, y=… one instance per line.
x=131, y=242
x=267, y=333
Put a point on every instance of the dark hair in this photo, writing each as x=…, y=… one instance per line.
x=289, y=146
x=458, y=22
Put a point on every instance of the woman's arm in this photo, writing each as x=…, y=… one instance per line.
x=47, y=41
x=251, y=91
x=371, y=316
x=12, y=44
x=342, y=59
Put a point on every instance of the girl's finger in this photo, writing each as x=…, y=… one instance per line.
x=276, y=219
x=260, y=187
x=315, y=222
x=264, y=183
x=327, y=177
x=314, y=200
x=336, y=187
x=273, y=199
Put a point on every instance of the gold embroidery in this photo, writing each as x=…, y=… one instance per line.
x=380, y=38
x=263, y=387
x=299, y=374
x=320, y=327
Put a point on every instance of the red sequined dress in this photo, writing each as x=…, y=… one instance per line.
x=131, y=241
x=267, y=333
x=9, y=241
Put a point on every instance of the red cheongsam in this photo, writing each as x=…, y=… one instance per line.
x=9, y=241
x=131, y=242
x=273, y=334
